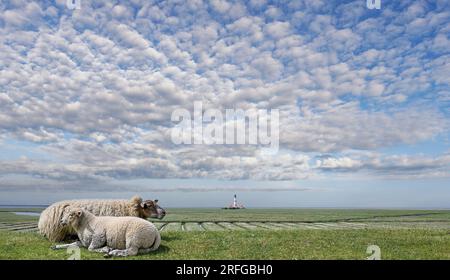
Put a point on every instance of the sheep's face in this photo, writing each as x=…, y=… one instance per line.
x=151, y=209
x=71, y=217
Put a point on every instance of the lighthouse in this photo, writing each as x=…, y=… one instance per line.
x=235, y=204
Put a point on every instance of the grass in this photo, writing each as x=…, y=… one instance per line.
x=290, y=244
x=276, y=215
x=22, y=209
x=303, y=215
x=12, y=218
x=424, y=242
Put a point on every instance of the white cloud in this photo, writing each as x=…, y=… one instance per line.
x=277, y=29
x=221, y=6
x=95, y=88
x=338, y=163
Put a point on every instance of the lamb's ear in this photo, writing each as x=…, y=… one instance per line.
x=156, y=201
x=136, y=200
x=79, y=213
x=144, y=205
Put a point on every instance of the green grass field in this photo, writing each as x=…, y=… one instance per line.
x=264, y=234
x=304, y=215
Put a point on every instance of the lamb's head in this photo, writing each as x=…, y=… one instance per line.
x=151, y=209
x=71, y=217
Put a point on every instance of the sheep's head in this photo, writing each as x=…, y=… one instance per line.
x=71, y=217
x=151, y=209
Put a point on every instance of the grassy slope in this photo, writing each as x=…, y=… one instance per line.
x=304, y=215
x=299, y=215
x=37, y=210
x=11, y=217
x=295, y=244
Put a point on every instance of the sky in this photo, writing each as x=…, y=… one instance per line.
x=86, y=98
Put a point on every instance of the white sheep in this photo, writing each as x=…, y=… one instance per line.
x=49, y=222
x=114, y=236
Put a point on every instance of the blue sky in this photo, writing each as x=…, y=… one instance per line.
x=86, y=98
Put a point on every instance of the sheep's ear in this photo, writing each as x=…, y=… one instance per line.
x=79, y=213
x=144, y=205
x=156, y=201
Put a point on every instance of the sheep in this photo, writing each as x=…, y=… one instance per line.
x=49, y=221
x=113, y=236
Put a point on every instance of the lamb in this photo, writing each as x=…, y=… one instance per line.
x=114, y=236
x=49, y=221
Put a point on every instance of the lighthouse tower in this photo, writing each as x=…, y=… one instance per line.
x=235, y=205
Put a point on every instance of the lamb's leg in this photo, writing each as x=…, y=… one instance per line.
x=105, y=249
x=65, y=246
x=123, y=253
x=154, y=247
x=98, y=240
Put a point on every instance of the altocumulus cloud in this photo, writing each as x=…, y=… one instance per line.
x=91, y=91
